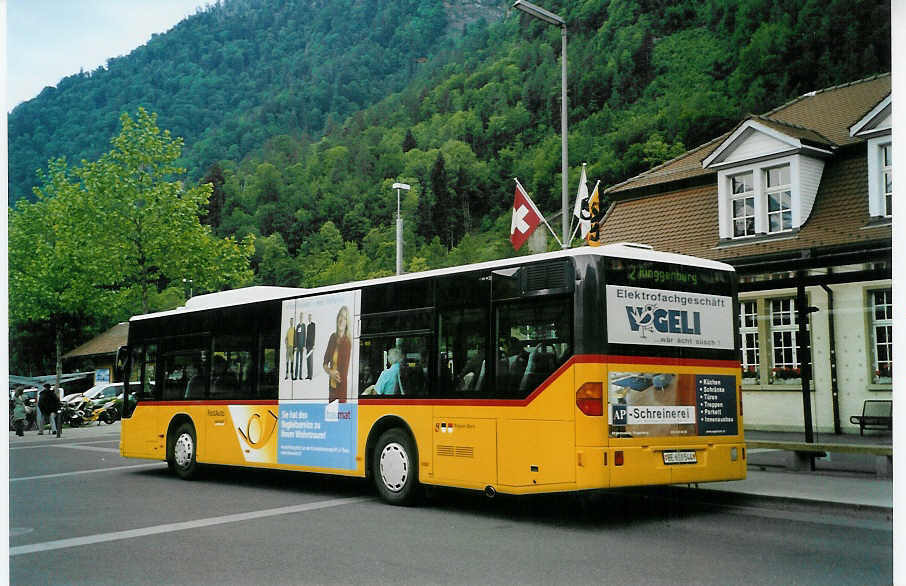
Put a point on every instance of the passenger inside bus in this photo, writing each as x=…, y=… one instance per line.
x=225, y=382
x=511, y=366
x=195, y=389
x=541, y=363
x=388, y=383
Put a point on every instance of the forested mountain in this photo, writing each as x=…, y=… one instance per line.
x=303, y=113
x=235, y=73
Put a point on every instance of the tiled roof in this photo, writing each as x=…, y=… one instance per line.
x=823, y=118
x=106, y=343
x=832, y=111
x=803, y=134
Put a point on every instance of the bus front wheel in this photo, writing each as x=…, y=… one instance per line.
x=181, y=453
x=395, y=467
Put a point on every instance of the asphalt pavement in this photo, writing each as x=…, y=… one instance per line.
x=839, y=479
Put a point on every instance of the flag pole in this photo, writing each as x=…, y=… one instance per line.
x=540, y=215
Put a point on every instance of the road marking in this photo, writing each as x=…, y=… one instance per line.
x=44, y=476
x=46, y=444
x=91, y=448
x=185, y=525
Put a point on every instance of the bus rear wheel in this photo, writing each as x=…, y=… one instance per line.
x=395, y=467
x=181, y=452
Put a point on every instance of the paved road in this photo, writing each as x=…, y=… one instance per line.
x=80, y=514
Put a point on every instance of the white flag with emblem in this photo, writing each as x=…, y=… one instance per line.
x=580, y=210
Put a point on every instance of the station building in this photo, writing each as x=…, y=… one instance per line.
x=799, y=200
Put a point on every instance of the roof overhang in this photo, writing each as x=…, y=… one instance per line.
x=877, y=120
x=791, y=145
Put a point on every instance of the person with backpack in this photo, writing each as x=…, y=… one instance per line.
x=49, y=405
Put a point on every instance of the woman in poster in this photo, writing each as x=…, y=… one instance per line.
x=336, y=358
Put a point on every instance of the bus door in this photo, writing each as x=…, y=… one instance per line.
x=140, y=413
x=465, y=443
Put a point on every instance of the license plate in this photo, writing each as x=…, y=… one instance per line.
x=680, y=457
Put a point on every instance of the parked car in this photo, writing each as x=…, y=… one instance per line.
x=100, y=390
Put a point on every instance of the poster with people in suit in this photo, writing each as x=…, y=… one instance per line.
x=318, y=358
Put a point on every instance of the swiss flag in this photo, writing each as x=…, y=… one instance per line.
x=526, y=218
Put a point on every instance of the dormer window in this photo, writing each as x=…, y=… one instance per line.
x=767, y=178
x=780, y=199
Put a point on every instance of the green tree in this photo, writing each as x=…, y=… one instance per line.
x=409, y=141
x=145, y=224
x=53, y=265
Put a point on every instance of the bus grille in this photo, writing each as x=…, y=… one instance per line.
x=549, y=275
x=456, y=451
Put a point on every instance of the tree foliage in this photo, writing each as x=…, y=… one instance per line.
x=105, y=239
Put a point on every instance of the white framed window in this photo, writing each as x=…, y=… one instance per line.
x=767, y=198
x=780, y=199
x=887, y=178
x=880, y=177
x=784, y=340
x=748, y=330
x=881, y=301
x=743, y=205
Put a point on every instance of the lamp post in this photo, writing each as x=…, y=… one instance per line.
x=551, y=18
x=189, y=283
x=399, y=227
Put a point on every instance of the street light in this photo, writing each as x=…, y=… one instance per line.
x=551, y=18
x=399, y=227
x=189, y=283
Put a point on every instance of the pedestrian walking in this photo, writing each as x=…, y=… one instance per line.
x=49, y=405
x=19, y=412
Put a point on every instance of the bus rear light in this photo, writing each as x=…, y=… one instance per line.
x=618, y=458
x=589, y=398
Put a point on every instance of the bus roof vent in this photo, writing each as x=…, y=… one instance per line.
x=549, y=275
x=635, y=245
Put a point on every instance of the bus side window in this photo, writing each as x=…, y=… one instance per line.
x=534, y=338
x=149, y=372
x=393, y=365
x=462, y=351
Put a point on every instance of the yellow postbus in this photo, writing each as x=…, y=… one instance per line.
x=578, y=369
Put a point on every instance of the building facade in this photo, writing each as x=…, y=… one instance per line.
x=799, y=201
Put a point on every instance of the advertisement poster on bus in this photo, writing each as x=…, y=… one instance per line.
x=660, y=404
x=639, y=315
x=318, y=358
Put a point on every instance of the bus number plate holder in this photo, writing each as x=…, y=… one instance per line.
x=680, y=457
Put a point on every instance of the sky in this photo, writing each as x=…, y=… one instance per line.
x=47, y=40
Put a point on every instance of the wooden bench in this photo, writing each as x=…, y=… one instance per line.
x=876, y=414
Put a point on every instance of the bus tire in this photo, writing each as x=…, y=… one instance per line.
x=181, y=452
x=395, y=467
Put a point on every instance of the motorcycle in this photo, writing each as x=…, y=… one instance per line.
x=109, y=412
